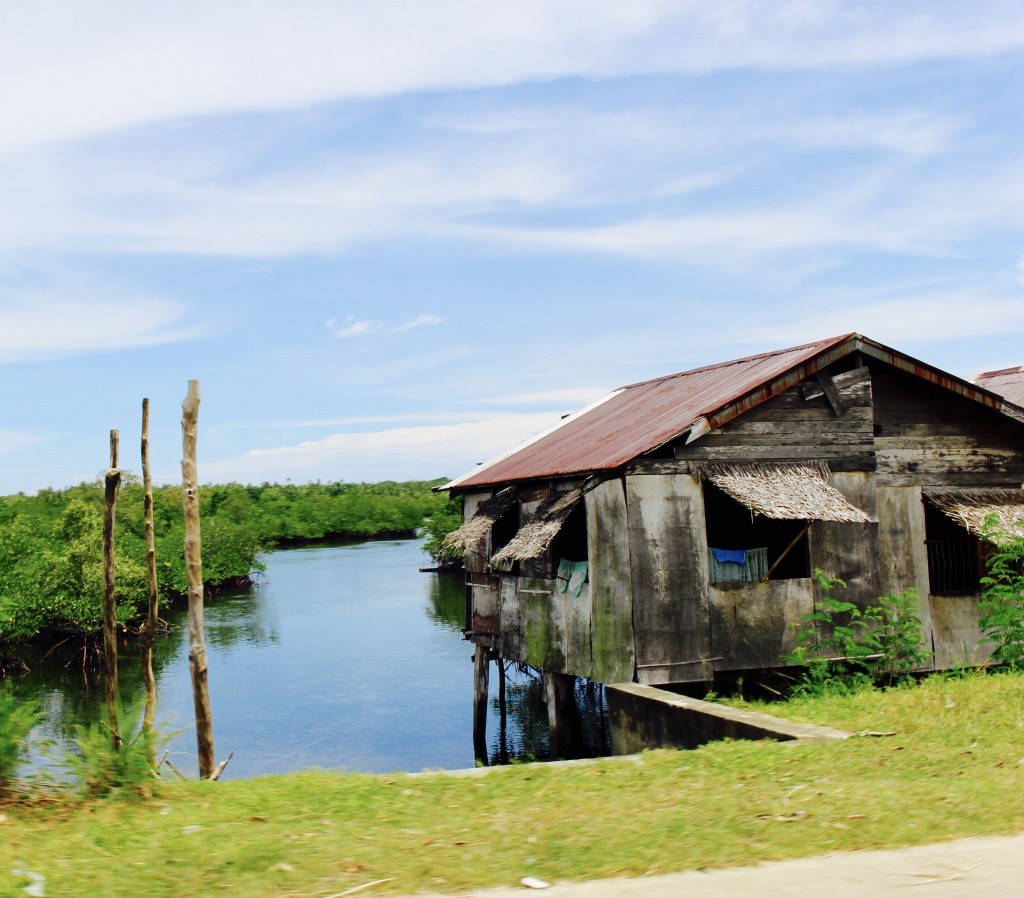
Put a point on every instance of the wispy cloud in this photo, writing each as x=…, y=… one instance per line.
x=201, y=59
x=394, y=453
x=13, y=440
x=357, y=327
x=39, y=324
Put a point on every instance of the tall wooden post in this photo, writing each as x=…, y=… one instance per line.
x=194, y=568
x=480, y=685
x=112, y=483
x=564, y=734
x=502, y=714
x=149, y=628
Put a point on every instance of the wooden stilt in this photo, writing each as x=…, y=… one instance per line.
x=563, y=716
x=480, y=686
x=502, y=715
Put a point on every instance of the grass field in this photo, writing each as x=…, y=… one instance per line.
x=954, y=767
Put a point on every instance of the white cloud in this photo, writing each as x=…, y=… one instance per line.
x=14, y=440
x=927, y=315
x=39, y=324
x=102, y=65
x=397, y=453
x=355, y=327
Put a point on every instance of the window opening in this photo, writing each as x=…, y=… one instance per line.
x=956, y=558
x=763, y=541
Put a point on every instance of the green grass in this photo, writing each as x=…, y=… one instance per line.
x=954, y=768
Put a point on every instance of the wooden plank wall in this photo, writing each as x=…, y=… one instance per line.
x=481, y=588
x=849, y=552
x=611, y=635
x=927, y=436
x=903, y=556
x=754, y=624
x=798, y=425
x=668, y=550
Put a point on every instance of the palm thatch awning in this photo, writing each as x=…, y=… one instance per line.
x=477, y=527
x=784, y=491
x=539, y=532
x=996, y=515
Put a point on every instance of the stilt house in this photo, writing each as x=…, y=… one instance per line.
x=670, y=531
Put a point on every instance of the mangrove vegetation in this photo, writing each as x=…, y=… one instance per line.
x=50, y=543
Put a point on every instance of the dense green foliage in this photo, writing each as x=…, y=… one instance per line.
x=1002, y=602
x=51, y=555
x=437, y=529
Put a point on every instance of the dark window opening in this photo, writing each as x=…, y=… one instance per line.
x=731, y=525
x=502, y=532
x=956, y=558
x=571, y=542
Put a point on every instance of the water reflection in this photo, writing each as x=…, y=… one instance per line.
x=344, y=657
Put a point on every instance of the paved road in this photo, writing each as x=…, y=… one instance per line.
x=985, y=867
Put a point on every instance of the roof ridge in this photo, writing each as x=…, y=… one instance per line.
x=814, y=344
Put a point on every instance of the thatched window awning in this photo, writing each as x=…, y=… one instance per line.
x=539, y=532
x=797, y=492
x=487, y=514
x=974, y=508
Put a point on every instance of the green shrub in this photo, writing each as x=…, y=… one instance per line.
x=1002, y=602
x=16, y=721
x=845, y=648
x=98, y=768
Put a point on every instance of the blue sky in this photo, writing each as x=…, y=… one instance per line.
x=393, y=239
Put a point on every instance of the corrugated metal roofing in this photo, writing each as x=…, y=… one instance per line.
x=641, y=417
x=1009, y=383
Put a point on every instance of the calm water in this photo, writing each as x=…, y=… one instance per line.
x=344, y=657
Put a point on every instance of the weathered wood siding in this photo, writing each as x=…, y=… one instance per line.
x=958, y=638
x=611, y=634
x=849, y=552
x=481, y=588
x=754, y=624
x=903, y=556
x=668, y=550
x=926, y=436
x=798, y=425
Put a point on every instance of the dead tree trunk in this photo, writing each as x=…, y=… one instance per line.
x=149, y=628
x=112, y=483
x=194, y=568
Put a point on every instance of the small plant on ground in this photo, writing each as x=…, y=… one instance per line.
x=98, y=768
x=1002, y=604
x=845, y=648
x=16, y=721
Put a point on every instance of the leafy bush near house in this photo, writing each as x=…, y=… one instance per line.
x=845, y=648
x=1002, y=602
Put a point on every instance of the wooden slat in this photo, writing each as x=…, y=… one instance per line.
x=611, y=637
x=668, y=549
x=754, y=624
x=903, y=557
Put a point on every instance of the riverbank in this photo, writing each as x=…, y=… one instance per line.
x=950, y=768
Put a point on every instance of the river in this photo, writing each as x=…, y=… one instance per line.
x=342, y=657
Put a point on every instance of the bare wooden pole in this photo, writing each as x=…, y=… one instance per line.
x=112, y=483
x=149, y=628
x=480, y=672
x=194, y=568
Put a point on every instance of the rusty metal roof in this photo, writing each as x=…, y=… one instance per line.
x=642, y=417
x=1008, y=382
